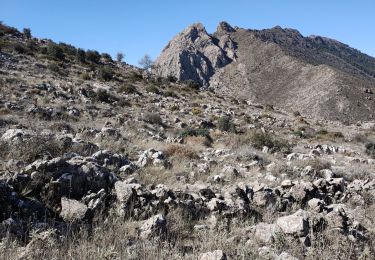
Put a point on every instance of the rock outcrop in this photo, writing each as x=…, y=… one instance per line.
x=195, y=55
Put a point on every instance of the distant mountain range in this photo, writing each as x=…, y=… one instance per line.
x=317, y=76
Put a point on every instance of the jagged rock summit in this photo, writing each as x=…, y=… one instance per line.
x=320, y=77
x=192, y=54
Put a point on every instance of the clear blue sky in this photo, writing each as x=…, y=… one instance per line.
x=146, y=26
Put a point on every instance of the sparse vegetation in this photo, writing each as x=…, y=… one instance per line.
x=146, y=62
x=260, y=139
x=93, y=56
x=191, y=84
x=153, y=118
x=225, y=124
x=120, y=56
x=106, y=73
x=370, y=149
x=88, y=172
x=153, y=89
x=55, y=52
x=127, y=89
x=27, y=33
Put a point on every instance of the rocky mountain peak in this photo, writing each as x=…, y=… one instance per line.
x=193, y=55
x=194, y=31
x=224, y=28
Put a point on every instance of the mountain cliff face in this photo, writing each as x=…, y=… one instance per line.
x=194, y=55
x=317, y=76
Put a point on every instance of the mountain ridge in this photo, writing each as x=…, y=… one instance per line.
x=317, y=76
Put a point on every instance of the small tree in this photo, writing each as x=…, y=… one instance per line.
x=146, y=62
x=93, y=56
x=81, y=55
x=120, y=56
x=106, y=57
x=55, y=51
x=27, y=33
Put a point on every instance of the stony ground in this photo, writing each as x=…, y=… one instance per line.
x=101, y=160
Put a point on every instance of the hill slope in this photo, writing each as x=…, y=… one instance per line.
x=317, y=76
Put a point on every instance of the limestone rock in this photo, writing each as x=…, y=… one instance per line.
x=192, y=55
x=296, y=224
x=214, y=255
x=153, y=227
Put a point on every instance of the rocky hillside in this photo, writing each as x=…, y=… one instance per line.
x=319, y=77
x=102, y=160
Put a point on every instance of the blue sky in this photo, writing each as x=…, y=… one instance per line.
x=146, y=26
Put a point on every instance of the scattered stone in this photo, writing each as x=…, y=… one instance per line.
x=153, y=227
x=214, y=255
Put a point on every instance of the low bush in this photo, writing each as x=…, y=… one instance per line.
x=196, y=111
x=370, y=149
x=106, y=74
x=324, y=134
x=107, y=57
x=20, y=48
x=259, y=139
x=55, y=52
x=191, y=84
x=170, y=93
x=172, y=79
x=198, y=132
x=92, y=56
x=53, y=67
x=81, y=56
x=102, y=95
x=134, y=76
x=4, y=29
x=181, y=152
x=152, y=118
x=68, y=49
x=127, y=89
x=226, y=124
x=153, y=89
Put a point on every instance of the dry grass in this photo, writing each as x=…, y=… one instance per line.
x=179, y=151
x=118, y=239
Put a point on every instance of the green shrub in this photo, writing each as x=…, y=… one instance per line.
x=53, y=67
x=107, y=57
x=3, y=45
x=153, y=118
x=152, y=89
x=102, y=95
x=170, y=93
x=106, y=73
x=259, y=139
x=370, y=149
x=32, y=46
x=81, y=55
x=4, y=29
x=226, y=124
x=172, y=79
x=191, y=84
x=20, y=48
x=195, y=132
x=134, y=76
x=55, y=52
x=93, y=56
x=27, y=33
x=324, y=134
x=127, y=89
x=68, y=49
